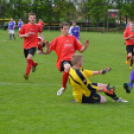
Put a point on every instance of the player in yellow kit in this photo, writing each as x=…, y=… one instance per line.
x=85, y=91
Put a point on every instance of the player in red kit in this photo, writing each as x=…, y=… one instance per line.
x=41, y=24
x=29, y=32
x=129, y=37
x=65, y=46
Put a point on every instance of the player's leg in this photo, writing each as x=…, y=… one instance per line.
x=129, y=52
x=129, y=86
x=103, y=99
x=94, y=98
x=65, y=67
x=109, y=91
x=10, y=35
x=13, y=34
x=30, y=63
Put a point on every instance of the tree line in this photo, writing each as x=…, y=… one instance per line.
x=66, y=10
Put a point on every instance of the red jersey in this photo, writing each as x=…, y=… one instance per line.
x=65, y=47
x=41, y=24
x=127, y=33
x=32, y=40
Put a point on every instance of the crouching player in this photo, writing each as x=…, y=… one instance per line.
x=85, y=91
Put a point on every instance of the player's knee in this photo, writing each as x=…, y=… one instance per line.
x=103, y=99
x=130, y=54
x=67, y=67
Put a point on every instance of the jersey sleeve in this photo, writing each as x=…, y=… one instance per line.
x=70, y=30
x=22, y=31
x=88, y=73
x=78, y=46
x=39, y=29
x=78, y=29
x=53, y=45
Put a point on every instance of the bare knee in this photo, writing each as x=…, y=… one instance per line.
x=67, y=67
x=103, y=99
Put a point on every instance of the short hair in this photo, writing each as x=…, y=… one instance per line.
x=29, y=14
x=75, y=58
x=73, y=21
x=63, y=24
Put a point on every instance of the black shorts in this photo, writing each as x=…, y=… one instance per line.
x=63, y=63
x=93, y=98
x=29, y=51
x=129, y=49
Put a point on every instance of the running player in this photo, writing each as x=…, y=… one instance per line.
x=11, y=27
x=65, y=46
x=41, y=24
x=20, y=24
x=75, y=30
x=129, y=37
x=84, y=91
x=29, y=32
x=41, y=46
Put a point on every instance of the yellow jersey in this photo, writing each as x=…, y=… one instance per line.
x=80, y=84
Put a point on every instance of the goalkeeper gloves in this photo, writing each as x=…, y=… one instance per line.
x=105, y=70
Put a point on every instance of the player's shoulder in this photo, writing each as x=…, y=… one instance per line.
x=71, y=27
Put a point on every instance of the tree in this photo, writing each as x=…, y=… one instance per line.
x=97, y=10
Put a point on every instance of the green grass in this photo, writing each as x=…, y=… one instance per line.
x=32, y=107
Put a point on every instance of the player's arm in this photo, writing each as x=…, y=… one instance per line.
x=79, y=34
x=70, y=30
x=14, y=25
x=47, y=44
x=90, y=73
x=86, y=44
x=126, y=36
x=41, y=35
x=24, y=35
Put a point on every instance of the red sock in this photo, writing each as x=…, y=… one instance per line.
x=29, y=66
x=65, y=79
x=40, y=47
x=128, y=57
x=131, y=62
x=33, y=63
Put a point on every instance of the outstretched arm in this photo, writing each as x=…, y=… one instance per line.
x=86, y=44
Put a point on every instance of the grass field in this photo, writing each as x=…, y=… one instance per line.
x=32, y=107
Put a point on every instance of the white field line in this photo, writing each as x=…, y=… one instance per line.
x=6, y=83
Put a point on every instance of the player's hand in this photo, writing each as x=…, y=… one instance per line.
x=27, y=34
x=105, y=70
x=130, y=36
x=86, y=43
x=47, y=44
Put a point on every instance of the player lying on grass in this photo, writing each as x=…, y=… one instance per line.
x=41, y=45
x=129, y=37
x=84, y=91
x=129, y=86
x=65, y=46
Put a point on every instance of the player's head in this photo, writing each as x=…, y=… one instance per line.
x=74, y=23
x=11, y=19
x=31, y=18
x=77, y=60
x=40, y=20
x=64, y=27
x=19, y=19
x=131, y=24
